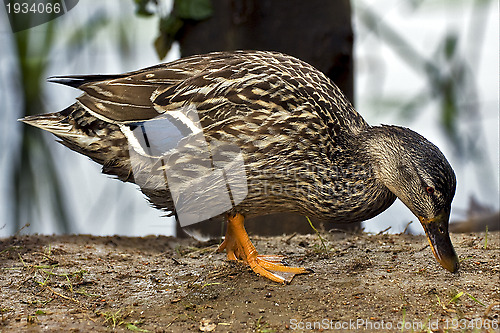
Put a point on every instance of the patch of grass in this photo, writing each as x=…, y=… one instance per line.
x=444, y=305
x=439, y=302
x=404, y=320
x=456, y=297
x=325, y=249
x=464, y=259
x=475, y=299
x=78, y=275
x=46, y=276
x=115, y=319
x=263, y=327
x=3, y=311
x=210, y=284
x=48, y=251
x=177, y=250
x=31, y=319
x=11, y=248
x=486, y=238
x=459, y=315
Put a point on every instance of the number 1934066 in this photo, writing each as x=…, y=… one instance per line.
x=471, y=324
x=33, y=8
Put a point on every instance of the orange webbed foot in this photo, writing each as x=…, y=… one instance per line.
x=239, y=247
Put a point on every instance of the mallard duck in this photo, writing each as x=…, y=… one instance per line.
x=247, y=133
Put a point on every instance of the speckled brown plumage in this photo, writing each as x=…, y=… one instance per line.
x=305, y=149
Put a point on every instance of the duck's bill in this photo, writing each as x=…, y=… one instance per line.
x=436, y=229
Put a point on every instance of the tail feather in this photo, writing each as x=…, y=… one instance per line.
x=53, y=123
x=82, y=132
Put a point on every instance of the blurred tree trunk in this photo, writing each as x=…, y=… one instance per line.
x=316, y=31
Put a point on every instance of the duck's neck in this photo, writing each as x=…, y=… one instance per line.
x=389, y=155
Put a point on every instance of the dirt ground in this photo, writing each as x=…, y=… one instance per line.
x=379, y=283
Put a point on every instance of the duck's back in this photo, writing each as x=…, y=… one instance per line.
x=224, y=83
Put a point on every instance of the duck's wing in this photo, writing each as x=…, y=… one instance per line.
x=133, y=97
x=119, y=98
x=220, y=83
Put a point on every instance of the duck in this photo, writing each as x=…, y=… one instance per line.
x=246, y=133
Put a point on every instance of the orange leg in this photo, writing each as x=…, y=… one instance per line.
x=239, y=247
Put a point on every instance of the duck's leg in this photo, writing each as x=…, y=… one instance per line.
x=239, y=247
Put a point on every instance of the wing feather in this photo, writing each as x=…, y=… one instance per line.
x=220, y=85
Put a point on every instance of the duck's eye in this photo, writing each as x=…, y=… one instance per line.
x=429, y=189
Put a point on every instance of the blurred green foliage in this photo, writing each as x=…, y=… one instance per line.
x=172, y=23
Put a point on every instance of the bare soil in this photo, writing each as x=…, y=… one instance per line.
x=381, y=283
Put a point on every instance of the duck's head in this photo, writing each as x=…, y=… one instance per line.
x=417, y=172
